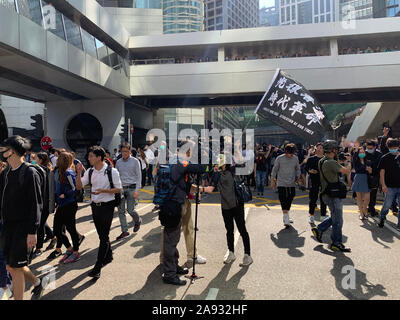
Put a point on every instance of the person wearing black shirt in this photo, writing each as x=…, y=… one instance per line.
x=21, y=219
x=260, y=170
x=382, y=140
x=372, y=159
x=312, y=168
x=179, y=170
x=389, y=167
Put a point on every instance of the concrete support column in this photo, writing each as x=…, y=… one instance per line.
x=334, y=47
x=221, y=54
x=109, y=112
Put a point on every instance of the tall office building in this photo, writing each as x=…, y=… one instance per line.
x=231, y=14
x=306, y=11
x=269, y=16
x=392, y=8
x=183, y=16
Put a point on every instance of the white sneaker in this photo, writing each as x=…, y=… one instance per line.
x=229, y=258
x=286, y=220
x=201, y=260
x=247, y=260
x=311, y=219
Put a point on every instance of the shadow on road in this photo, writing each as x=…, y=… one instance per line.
x=153, y=289
x=363, y=289
x=228, y=289
x=149, y=244
x=379, y=235
x=289, y=239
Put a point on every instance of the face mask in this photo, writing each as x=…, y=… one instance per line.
x=34, y=162
x=2, y=157
x=394, y=151
x=370, y=150
x=361, y=155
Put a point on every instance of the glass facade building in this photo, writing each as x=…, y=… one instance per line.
x=392, y=8
x=306, y=11
x=144, y=4
x=183, y=16
x=231, y=14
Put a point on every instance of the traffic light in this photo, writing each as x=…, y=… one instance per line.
x=38, y=125
x=124, y=132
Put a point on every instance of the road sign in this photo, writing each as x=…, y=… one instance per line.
x=46, y=143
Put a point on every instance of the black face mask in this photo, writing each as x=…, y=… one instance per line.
x=2, y=157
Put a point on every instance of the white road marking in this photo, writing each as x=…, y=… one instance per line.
x=212, y=294
x=115, y=220
x=388, y=227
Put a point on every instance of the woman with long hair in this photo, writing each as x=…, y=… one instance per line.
x=360, y=186
x=66, y=210
x=232, y=209
x=144, y=165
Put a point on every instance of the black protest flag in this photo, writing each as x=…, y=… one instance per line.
x=291, y=106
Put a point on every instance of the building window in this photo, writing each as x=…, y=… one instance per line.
x=73, y=33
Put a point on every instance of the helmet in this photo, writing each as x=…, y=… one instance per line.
x=330, y=145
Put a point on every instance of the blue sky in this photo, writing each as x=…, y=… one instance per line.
x=266, y=3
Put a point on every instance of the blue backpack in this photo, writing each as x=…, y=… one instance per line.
x=164, y=186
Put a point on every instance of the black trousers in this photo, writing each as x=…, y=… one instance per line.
x=372, y=200
x=43, y=230
x=313, y=195
x=286, y=196
x=66, y=216
x=143, y=178
x=102, y=218
x=236, y=214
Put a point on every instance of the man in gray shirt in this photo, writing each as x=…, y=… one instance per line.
x=131, y=177
x=285, y=174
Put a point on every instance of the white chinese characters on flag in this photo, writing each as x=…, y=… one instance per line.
x=290, y=105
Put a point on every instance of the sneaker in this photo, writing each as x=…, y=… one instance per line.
x=247, y=260
x=137, y=227
x=182, y=271
x=286, y=220
x=52, y=244
x=55, y=254
x=123, y=235
x=339, y=247
x=381, y=223
x=175, y=281
x=73, y=258
x=229, y=257
x=82, y=237
x=317, y=234
x=95, y=273
x=312, y=220
x=37, y=291
x=37, y=253
x=200, y=260
x=66, y=256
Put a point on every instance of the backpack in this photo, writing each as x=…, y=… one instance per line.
x=43, y=179
x=164, y=186
x=334, y=190
x=242, y=191
x=108, y=172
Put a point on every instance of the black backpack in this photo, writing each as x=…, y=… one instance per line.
x=108, y=172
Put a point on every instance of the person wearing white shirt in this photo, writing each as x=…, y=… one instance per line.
x=102, y=202
x=150, y=160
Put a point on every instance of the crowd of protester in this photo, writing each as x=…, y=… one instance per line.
x=263, y=55
x=53, y=183
x=377, y=49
